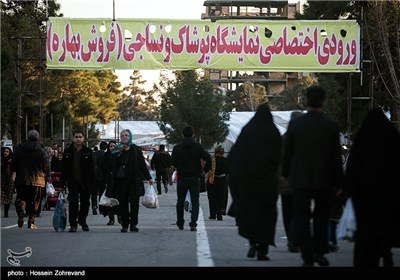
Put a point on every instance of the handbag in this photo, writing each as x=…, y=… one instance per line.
x=121, y=169
x=121, y=172
x=347, y=224
x=60, y=214
x=108, y=201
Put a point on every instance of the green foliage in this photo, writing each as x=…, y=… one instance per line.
x=138, y=104
x=246, y=97
x=191, y=100
x=380, y=27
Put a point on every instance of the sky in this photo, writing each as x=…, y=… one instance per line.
x=166, y=9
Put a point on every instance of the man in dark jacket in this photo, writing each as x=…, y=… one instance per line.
x=161, y=162
x=312, y=164
x=186, y=158
x=29, y=167
x=79, y=176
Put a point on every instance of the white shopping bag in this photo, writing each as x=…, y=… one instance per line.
x=347, y=225
x=108, y=201
x=150, y=198
x=50, y=189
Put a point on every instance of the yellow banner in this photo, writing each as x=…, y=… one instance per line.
x=237, y=45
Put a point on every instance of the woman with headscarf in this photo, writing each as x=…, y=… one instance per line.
x=128, y=171
x=373, y=181
x=7, y=185
x=253, y=180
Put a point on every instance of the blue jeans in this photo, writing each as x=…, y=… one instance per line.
x=191, y=184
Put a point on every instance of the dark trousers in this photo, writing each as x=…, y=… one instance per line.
x=42, y=195
x=287, y=204
x=129, y=210
x=191, y=184
x=332, y=232
x=94, y=193
x=78, y=197
x=312, y=241
x=101, y=187
x=161, y=176
x=216, y=194
x=28, y=201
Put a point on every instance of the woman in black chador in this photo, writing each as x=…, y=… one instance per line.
x=253, y=181
x=373, y=178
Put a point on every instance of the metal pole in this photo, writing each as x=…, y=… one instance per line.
x=51, y=127
x=349, y=104
x=63, y=133
x=113, y=10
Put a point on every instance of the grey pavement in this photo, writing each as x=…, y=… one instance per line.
x=159, y=243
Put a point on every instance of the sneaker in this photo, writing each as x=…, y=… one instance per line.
x=85, y=227
x=20, y=221
x=193, y=229
x=32, y=226
x=73, y=229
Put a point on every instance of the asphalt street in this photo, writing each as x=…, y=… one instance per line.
x=158, y=244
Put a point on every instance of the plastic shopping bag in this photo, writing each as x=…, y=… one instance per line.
x=150, y=198
x=60, y=214
x=108, y=201
x=50, y=189
x=347, y=223
x=188, y=203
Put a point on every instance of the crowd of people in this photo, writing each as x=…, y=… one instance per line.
x=306, y=167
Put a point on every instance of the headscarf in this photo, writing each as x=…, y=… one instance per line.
x=124, y=146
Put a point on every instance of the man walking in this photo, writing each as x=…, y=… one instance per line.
x=312, y=164
x=186, y=158
x=161, y=162
x=29, y=167
x=78, y=172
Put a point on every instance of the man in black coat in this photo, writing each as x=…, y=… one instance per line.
x=186, y=158
x=312, y=164
x=161, y=162
x=78, y=173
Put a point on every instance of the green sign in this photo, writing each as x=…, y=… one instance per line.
x=251, y=45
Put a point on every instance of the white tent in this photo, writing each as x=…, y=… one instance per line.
x=239, y=119
x=147, y=133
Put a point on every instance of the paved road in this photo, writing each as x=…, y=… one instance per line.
x=158, y=243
